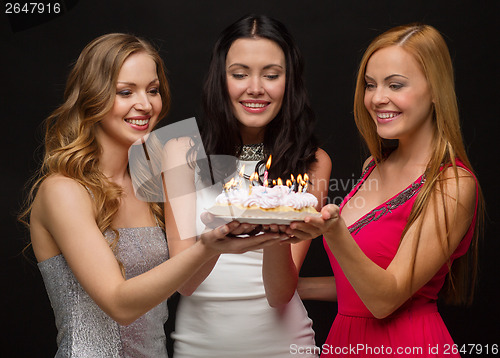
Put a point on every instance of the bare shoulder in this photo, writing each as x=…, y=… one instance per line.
x=181, y=143
x=61, y=205
x=322, y=157
x=461, y=186
x=175, y=152
x=320, y=173
x=58, y=191
x=60, y=186
x=322, y=168
x=367, y=161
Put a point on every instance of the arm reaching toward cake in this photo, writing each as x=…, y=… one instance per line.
x=282, y=262
x=385, y=290
x=180, y=216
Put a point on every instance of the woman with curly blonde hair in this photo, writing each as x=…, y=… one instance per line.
x=101, y=251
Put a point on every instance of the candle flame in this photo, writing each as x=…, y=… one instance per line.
x=266, y=184
x=288, y=183
x=268, y=164
x=242, y=170
x=274, y=182
x=252, y=178
x=292, y=177
x=299, y=179
x=229, y=184
x=280, y=182
x=306, y=177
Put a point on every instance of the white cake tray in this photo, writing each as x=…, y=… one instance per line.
x=260, y=221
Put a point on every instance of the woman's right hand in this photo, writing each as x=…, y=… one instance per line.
x=224, y=239
x=328, y=222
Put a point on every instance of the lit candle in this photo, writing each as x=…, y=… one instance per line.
x=268, y=165
x=253, y=177
x=242, y=172
x=299, y=182
x=306, y=180
x=229, y=185
x=289, y=185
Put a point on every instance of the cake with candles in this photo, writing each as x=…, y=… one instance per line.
x=270, y=202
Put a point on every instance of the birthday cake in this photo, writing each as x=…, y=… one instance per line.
x=268, y=201
x=277, y=202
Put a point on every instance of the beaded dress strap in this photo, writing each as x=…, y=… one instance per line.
x=251, y=152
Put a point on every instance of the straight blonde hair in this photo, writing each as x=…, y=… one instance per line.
x=429, y=49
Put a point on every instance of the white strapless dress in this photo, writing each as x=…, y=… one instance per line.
x=229, y=316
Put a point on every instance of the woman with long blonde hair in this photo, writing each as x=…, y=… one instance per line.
x=101, y=251
x=408, y=231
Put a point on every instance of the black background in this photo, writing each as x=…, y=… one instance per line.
x=37, y=51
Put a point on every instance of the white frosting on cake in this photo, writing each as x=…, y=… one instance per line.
x=267, y=198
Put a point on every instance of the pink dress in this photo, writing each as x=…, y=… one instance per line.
x=416, y=329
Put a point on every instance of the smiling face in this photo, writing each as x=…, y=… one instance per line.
x=256, y=79
x=397, y=94
x=137, y=103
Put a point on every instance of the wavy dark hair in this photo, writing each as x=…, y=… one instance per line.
x=289, y=136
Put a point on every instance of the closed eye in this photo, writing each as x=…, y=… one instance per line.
x=396, y=86
x=125, y=93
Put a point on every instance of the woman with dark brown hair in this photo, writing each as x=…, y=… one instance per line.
x=255, y=105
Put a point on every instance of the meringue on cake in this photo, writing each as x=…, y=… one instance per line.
x=277, y=202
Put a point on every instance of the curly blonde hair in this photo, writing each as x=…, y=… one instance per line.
x=71, y=147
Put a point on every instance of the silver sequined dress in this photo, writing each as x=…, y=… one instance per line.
x=84, y=330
